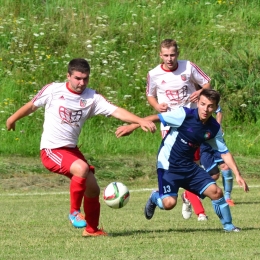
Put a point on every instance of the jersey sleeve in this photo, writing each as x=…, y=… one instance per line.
x=102, y=106
x=218, y=143
x=173, y=118
x=198, y=76
x=151, y=90
x=42, y=97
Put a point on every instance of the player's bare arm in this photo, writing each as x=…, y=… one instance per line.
x=194, y=96
x=128, y=117
x=125, y=130
x=158, y=107
x=219, y=117
x=128, y=129
x=229, y=160
x=25, y=110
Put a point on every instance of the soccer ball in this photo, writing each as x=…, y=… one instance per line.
x=116, y=195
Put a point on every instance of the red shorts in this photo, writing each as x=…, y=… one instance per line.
x=59, y=160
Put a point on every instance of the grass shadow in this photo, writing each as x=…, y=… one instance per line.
x=171, y=230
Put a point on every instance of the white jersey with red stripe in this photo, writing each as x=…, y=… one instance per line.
x=175, y=87
x=66, y=111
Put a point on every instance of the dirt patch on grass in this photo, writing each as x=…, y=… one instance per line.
x=35, y=182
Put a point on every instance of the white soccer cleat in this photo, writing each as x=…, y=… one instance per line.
x=186, y=207
x=202, y=217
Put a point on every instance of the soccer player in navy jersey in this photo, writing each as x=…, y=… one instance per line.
x=212, y=162
x=172, y=84
x=189, y=128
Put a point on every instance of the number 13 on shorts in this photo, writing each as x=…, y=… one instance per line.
x=167, y=189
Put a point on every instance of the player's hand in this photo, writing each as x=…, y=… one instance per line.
x=162, y=107
x=194, y=97
x=241, y=182
x=125, y=130
x=147, y=125
x=10, y=125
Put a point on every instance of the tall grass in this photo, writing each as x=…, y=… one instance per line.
x=120, y=39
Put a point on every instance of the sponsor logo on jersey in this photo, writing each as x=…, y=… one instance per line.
x=163, y=82
x=83, y=102
x=194, y=145
x=183, y=141
x=70, y=117
x=190, y=129
x=190, y=144
x=177, y=95
x=62, y=98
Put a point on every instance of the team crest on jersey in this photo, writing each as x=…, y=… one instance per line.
x=207, y=135
x=183, y=77
x=83, y=102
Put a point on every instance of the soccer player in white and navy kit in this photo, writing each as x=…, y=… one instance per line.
x=67, y=106
x=189, y=128
x=173, y=84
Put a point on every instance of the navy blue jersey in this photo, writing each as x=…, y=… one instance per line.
x=186, y=134
x=209, y=158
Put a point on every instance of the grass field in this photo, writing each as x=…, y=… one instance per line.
x=34, y=225
x=120, y=39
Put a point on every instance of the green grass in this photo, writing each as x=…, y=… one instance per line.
x=34, y=225
x=35, y=204
x=121, y=41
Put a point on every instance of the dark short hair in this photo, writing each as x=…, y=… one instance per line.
x=168, y=43
x=210, y=94
x=78, y=64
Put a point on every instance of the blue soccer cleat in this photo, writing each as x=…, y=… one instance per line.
x=149, y=208
x=77, y=219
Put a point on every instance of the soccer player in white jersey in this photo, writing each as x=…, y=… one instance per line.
x=173, y=84
x=67, y=106
x=170, y=85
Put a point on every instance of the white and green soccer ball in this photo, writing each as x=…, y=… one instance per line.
x=116, y=195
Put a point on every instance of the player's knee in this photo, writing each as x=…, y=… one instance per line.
x=169, y=203
x=80, y=168
x=215, y=176
x=213, y=192
x=223, y=167
x=217, y=193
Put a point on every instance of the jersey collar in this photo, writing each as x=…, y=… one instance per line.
x=74, y=92
x=169, y=70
